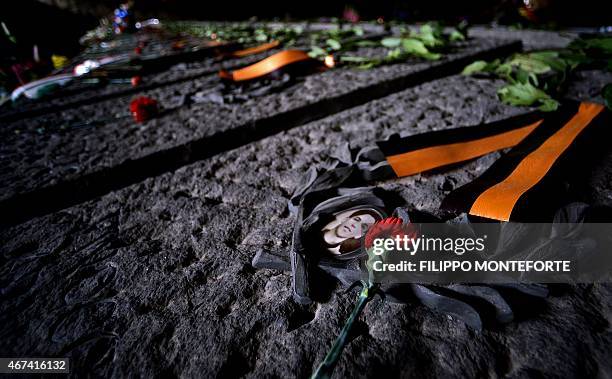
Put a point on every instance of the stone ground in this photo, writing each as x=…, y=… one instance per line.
x=32, y=160
x=156, y=278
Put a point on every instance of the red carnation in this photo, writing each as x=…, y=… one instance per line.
x=136, y=80
x=143, y=108
x=388, y=228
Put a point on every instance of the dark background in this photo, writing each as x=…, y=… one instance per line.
x=56, y=25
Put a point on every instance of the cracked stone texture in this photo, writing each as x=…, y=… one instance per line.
x=31, y=160
x=155, y=279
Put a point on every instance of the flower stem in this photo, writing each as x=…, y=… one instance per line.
x=326, y=368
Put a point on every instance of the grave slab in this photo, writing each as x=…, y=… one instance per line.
x=45, y=169
x=156, y=277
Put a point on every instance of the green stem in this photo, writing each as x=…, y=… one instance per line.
x=326, y=368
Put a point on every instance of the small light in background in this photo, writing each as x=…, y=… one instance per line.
x=85, y=67
x=145, y=23
x=330, y=61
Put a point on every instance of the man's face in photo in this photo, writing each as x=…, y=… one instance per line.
x=342, y=234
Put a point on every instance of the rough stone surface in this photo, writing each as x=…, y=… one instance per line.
x=32, y=160
x=531, y=39
x=175, y=73
x=588, y=85
x=155, y=279
x=78, y=93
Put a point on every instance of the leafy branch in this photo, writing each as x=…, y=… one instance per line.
x=535, y=78
x=326, y=41
x=428, y=43
x=237, y=32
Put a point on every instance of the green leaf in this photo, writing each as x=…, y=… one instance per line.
x=530, y=76
x=474, y=67
x=261, y=37
x=362, y=62
x=316, y=52
x=333, y=44
x=391, y=42
x=369, y=65
x=548, y=105
x=519, y=94
x=426, y=29
x=366, y=43
x=432, y=56
x=394, y=54
x=481, y=66
x=523, y=76
x=430, y=35
x=526, y=94
x=603, y=44
x=456, y=36
x=414, y=46
x=573, y=60
x=504, y=70
x=606, y=92
x=529, y=64
x=354, y=59
x=551, y=58
x=418, y=48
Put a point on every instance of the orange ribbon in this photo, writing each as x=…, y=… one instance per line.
x=254, y=50
x=498, y=201
x=266, y=66
x=429, y=158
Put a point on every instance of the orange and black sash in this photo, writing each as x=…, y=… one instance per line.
x=541, y=144
x=527, y=181
x=423, y=152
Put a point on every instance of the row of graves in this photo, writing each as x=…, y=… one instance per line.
x=193, y=198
